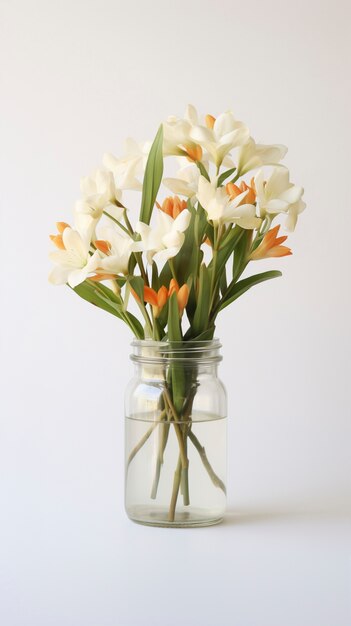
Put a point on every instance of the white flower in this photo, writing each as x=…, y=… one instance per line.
x=186, y=182
x=252, y=155
x=293, y=211
x=118, y=248
x=221, y=136
x=163, y=241
x=221, y=209
x=278, y=195
x=73, y=262
x=131, y=166
x=99, y=193
x=177, y=138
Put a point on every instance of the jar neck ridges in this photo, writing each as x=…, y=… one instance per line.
x=186, y=354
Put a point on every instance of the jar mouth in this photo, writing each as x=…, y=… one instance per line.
x=150, y=351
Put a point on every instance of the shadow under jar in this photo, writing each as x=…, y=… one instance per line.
x=175, y=435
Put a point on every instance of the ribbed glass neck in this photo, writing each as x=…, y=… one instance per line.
x=182, y=352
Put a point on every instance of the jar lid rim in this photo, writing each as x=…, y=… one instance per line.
x=192, y=343
x=150, y=351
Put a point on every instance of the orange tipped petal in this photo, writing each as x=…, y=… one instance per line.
x=103, y=246
x=250, y=196
x=173, y=206
x=232, y=190
x=150, y=296
x=194, y=152
x=280, y=240
x=272, y=233
x=162, y=296
x=98, y=277
x=183, y=297
x=57, y=240
x=173, y=287
x=167, y=206
x=270, y=246
x=61, y=226
x=278, y=251
x=209, y=121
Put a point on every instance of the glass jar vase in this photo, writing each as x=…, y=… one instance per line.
x=175, y=435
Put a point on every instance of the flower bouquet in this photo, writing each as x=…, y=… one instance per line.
x=167, y=266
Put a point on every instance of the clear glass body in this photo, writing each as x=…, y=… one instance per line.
x=175, y=435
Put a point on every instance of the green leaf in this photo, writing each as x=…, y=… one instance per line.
x=203, y=170
x=89, y=292
x=223, y=281
x=188, y=259
x=240, y=254
x=132, y=263
x=205, y=336
x=226, y=249
x=152, y=177
x=174, y=331
x=238, y=289
x=176, y=371
x=107, y=300
x=155, y=283
x=225, y=175
x=107, y=292
x=137, y=283
x=127, y=317
x=202, y=310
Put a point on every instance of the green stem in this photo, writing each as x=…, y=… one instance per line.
x=164, y=431
x=116, y=222
x=146, y=317
x=128, y=224
x=145, y=437
x=176, y=484
x=202, y=452
x=182, y=449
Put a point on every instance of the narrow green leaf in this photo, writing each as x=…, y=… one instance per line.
x=100, y=287
x=238, y=289
x=88, y=292
x=225, y=175
x=223, y=281
x=240, y=254
x=127, y=317
x=155, y=283
x=152, y=177
x=132, y=263
x=205, y=336
x=202, y=310
x=226, y=250
x=174, y=331
x=137, y=283
x=176, y=372
x=203, y=170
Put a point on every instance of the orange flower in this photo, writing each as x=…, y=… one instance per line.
x=182, y=294
x=173, y=206
x=270, y=246
x=57, y=239
x=158, y=299
x=234, y=190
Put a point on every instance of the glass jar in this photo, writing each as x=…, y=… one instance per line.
x=175, y=435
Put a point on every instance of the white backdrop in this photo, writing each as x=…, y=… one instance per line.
x=77, y=78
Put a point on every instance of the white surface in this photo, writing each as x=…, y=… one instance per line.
x=78, y=77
